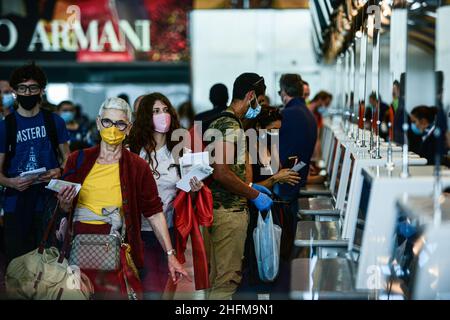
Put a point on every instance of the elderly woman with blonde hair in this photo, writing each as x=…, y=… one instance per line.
x=117, y=191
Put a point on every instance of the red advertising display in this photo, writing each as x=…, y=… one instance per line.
x=96, y=30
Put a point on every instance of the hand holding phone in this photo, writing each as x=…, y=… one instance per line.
x=299, y=166
x=292, y=161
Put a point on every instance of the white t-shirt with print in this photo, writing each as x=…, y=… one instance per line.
x=166, y=182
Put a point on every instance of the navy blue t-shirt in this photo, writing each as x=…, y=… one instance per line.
x=33, y=146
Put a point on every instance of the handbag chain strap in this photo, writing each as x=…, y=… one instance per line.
x=67, y=236
x=49, y=229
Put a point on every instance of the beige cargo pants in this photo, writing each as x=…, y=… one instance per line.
x=224, y=243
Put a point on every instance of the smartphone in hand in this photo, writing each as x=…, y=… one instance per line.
x=299, y=166
x=291, y=162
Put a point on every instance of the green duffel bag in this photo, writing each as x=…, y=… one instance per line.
x=45, y=274
x=41, y=276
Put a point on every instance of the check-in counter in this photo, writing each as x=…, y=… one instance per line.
x=419, y=267
x=346, y=182
x=373, y=223
x=374, y=220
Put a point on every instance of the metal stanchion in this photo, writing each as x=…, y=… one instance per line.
x=376, y=88
x=362, y=87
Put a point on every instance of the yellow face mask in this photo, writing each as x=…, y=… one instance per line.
x=112, y=136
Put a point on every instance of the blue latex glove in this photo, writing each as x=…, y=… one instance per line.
x=262, y=202
x=261, y=189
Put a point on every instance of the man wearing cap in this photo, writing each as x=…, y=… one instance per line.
x=225, y=239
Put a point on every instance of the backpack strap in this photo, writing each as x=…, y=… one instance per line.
x=232, y=116
x=11, y=140
x=221, y=115
x=50, y=128
x=79, y=162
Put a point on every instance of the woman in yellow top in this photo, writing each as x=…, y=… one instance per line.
x=114, y=180
x=101, y=189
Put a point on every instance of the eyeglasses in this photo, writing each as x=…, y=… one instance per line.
x=108, y=123
x=22, y=88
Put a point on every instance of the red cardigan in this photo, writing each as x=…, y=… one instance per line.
x=139, y=192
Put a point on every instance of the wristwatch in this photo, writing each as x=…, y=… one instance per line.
x=171, y=252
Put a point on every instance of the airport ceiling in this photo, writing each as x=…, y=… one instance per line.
x=336, y=23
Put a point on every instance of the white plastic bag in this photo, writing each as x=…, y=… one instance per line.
x=267, y=239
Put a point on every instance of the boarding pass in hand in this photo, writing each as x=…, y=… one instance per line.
x=189, y=160
x=57, y=185
x=199, y=171
x=33, y=174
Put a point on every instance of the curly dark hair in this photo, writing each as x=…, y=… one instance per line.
x=268, y=115
x=27, y=72
x=141, y=134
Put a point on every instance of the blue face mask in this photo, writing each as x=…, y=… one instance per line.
x=8, y=100
x=253, y=113
x=415, y=129
x=67, y=116
x=322, y=110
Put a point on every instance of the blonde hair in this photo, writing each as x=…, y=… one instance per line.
x=116, y=104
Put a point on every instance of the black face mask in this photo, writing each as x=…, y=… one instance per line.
x=29, y=102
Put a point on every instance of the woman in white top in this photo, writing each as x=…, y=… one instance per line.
x=150, y=137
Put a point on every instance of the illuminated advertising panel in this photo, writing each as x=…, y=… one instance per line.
x=95, y=30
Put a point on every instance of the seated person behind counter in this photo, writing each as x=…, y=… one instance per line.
x=423, y=124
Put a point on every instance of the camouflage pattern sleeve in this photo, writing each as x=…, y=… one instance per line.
x=228, y=127
x=230, y=131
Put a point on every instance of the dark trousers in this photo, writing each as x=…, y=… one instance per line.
x=25, y=226
x=293, y=206
x=292, y=218
x=155, y=274
x=23, y=232
x=251, y=285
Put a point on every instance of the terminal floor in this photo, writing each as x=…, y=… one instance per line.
x=185, y=290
